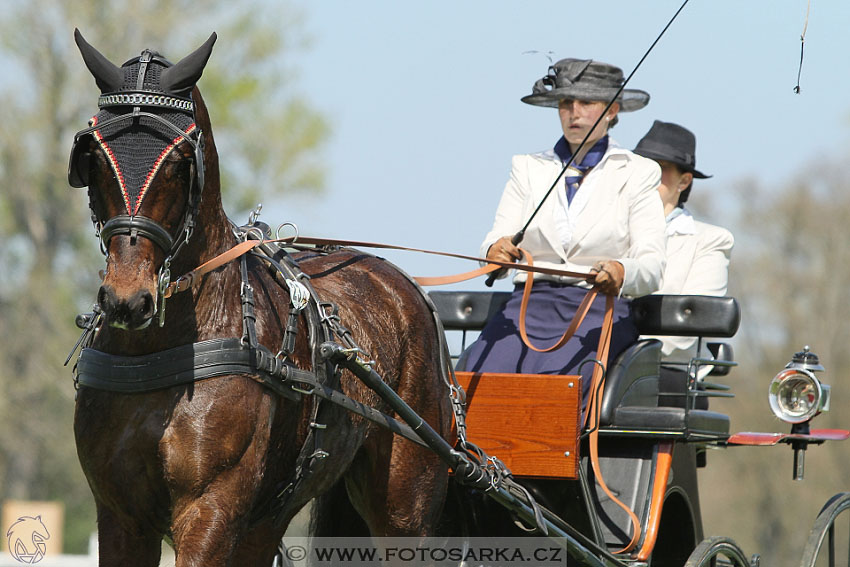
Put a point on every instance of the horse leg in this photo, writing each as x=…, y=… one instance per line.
x=215, y=486
x=119, y=546
x=258, y=546
x=207, y=530
x=398, y=487
x=335, y=516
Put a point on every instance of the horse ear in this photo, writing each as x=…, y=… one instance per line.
x=181, y=78
x=109, y=77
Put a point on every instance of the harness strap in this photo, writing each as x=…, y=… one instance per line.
x=177, y=366
x=185, y=281
x=212, y=358
x=249, y=317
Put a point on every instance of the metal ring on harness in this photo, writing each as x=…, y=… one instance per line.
x=294, y=228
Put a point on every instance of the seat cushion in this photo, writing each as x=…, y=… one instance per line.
x=671, y=419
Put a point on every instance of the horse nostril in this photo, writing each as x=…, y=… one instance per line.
x=147, y=305
x=106, y=298
x=141, y=305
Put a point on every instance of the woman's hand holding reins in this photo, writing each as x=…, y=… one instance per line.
x=607, y=276
x=503, y=250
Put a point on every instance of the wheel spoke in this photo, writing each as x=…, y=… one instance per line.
x=831, y=543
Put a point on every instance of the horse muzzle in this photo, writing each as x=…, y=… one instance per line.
x=131, y=313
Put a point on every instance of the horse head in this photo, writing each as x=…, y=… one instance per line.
x=142, y=158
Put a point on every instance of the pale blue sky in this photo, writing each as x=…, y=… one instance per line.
x=424, y=101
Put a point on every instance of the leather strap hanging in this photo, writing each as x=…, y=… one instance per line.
x=578, y=318
x=597, y=386
x=597, y=383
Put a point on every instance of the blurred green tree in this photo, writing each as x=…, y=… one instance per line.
x=266, y=134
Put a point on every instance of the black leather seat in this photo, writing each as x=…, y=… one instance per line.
x=632, y=379
x=693, y=422
x=686, y=315
x=467, y=310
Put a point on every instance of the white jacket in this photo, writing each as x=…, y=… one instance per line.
x=616, y=214
x=697, y=264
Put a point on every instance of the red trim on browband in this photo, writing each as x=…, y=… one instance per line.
x=114, y=162
x=156, y=166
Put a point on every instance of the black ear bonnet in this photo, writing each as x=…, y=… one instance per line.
x=146, y=110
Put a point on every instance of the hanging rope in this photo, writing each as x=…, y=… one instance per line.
x=802, y=45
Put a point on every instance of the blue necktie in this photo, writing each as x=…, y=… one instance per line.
x=575, y=173
x=573, y=179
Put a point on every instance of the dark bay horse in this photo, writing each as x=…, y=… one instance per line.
x=205, y=463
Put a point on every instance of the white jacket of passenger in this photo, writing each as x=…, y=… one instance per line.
x=697, y=264
x=616, y=214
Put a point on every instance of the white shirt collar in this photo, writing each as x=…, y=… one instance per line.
x=680, y=221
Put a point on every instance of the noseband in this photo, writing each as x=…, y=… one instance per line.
x=133, y=224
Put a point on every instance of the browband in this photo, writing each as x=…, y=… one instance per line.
x=145, y=98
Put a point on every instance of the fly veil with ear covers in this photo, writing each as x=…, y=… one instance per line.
x=146, y=110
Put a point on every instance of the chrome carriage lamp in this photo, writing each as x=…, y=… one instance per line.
x=795, y=394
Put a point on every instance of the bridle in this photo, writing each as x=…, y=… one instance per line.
x=133, y=224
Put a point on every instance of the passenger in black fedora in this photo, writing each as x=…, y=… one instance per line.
x=697, y=252
x=605, y=218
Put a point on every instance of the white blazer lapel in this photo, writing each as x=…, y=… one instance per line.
x=552, y=219
x=597, y=197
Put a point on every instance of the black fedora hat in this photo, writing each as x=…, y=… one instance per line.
x=584, y=79
x=667, y=141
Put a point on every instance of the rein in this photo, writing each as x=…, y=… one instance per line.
x=185, y=281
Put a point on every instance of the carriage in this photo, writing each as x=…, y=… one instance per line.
x=654, y=431
x=294, y=369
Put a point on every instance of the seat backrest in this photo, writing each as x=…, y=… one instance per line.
x=632, y=379
x=467, y=310
x=686, y=315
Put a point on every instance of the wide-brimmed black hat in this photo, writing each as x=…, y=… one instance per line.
x=584, y=79
x=667, y=141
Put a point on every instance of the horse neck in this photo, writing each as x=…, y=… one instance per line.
x=213, y=234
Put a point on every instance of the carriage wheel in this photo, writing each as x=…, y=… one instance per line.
x=824, y=531
x=714, y=551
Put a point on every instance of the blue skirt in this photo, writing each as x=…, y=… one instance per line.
x=551, y=307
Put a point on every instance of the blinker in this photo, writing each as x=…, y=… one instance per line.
x=80, y=160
